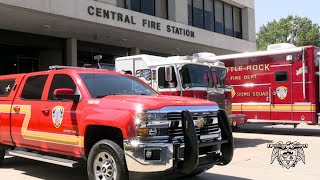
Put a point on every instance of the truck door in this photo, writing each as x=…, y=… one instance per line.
x=60, y=117
x=281, y=87
x=27, y=112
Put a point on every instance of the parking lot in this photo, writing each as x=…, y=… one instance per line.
x=251, y=159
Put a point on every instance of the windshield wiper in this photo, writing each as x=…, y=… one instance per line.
x=110, y=94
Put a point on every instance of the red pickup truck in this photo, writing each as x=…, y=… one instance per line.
x=113, y=122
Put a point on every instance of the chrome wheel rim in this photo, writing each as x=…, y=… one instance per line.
x=104, y=167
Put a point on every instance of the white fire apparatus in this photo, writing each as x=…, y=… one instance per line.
x=182, y=76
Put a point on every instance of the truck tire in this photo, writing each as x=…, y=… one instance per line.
x=2, y=154
x=107, y=161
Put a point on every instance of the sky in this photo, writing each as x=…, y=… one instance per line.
x=268, y=10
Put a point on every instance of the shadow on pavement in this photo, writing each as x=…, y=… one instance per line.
x=42, y=170
x=244, y=142
x=202, y=176
x=47, y=171
x=280, y=130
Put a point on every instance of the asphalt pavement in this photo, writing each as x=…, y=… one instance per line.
x=252, y=159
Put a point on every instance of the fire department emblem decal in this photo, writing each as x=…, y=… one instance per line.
x=57, y=116
x=282, y=92
x=233, y=92
x=288, y=154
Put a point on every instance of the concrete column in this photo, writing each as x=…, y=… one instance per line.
x=178, y=11
x=72, y=52
x=248, y=24
x=120, y=3
x=134, y=51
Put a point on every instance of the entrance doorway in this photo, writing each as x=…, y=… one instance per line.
x=18, y=59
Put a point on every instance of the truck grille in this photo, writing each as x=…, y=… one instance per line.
x=209, y=127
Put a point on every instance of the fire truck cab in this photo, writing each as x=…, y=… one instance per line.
x=279, y=85
x=179, y=77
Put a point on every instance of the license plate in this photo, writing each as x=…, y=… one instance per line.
x=209, y=136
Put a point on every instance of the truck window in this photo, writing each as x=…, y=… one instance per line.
x=281, y=76
x=34, y=87
x=194, y=75
x=61, y=81
x=100, y=85
x=6, y=86
x=162, y=83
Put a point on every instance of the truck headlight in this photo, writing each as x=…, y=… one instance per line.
x=149, y=123
x=145, y=132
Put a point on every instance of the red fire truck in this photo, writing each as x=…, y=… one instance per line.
x=183, y=76
x=280, y=85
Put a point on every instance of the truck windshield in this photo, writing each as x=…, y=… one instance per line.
x=194, y=75
x=100, y=85
x=222, y=74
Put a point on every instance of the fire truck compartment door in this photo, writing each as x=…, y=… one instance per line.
x=281, y=96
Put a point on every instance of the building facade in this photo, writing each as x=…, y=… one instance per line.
x=37, y=33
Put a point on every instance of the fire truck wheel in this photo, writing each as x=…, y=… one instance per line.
x=2, y=154
x=107, y=161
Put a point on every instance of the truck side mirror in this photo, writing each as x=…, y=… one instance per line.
x=65, y=94
x=168, y=73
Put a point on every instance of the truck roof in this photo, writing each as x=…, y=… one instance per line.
x=76, y=70
x=259, y=53
x=151, y=60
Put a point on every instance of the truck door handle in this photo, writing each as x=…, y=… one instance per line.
x=45, y=110
x=16, y=108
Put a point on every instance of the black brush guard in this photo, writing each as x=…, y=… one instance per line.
x=191, y=149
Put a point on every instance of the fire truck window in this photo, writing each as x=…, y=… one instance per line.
x=6, y=86
x=61, y=81
x=282, y=76
x=34, y=87
x=162, y=83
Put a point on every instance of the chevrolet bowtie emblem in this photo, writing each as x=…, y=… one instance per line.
x=200, y=122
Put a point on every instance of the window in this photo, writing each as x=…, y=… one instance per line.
x=190, y=16
x=61, y=81
x=195, y=75
x=208, y=15
x=215, y=15
x=282, y=76
x=101, y=85
x=34, y=87
x=6, y=86
x=198, y=13
x=143, y=6
x=162, y=83
x=237, y=22
x=219, y=24
x=228, y=20
x=147, y=7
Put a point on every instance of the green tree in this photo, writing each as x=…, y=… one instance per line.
x=296, y=30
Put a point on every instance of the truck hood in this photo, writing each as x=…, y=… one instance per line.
x=156, y=102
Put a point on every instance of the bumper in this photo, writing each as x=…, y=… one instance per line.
x=171, y=155
x=237, y=119
x=183, y=154
x=135, y=154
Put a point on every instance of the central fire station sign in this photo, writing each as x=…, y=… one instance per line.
x=144, y=22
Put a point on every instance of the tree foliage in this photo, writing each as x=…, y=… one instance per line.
x=294, y=29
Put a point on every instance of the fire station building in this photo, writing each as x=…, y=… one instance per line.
x=37, y=33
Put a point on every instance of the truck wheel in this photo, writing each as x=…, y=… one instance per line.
x=107, y=161
x=2, y=154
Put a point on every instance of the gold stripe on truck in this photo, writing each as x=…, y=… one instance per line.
x=37, y=135
x=275, y=107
